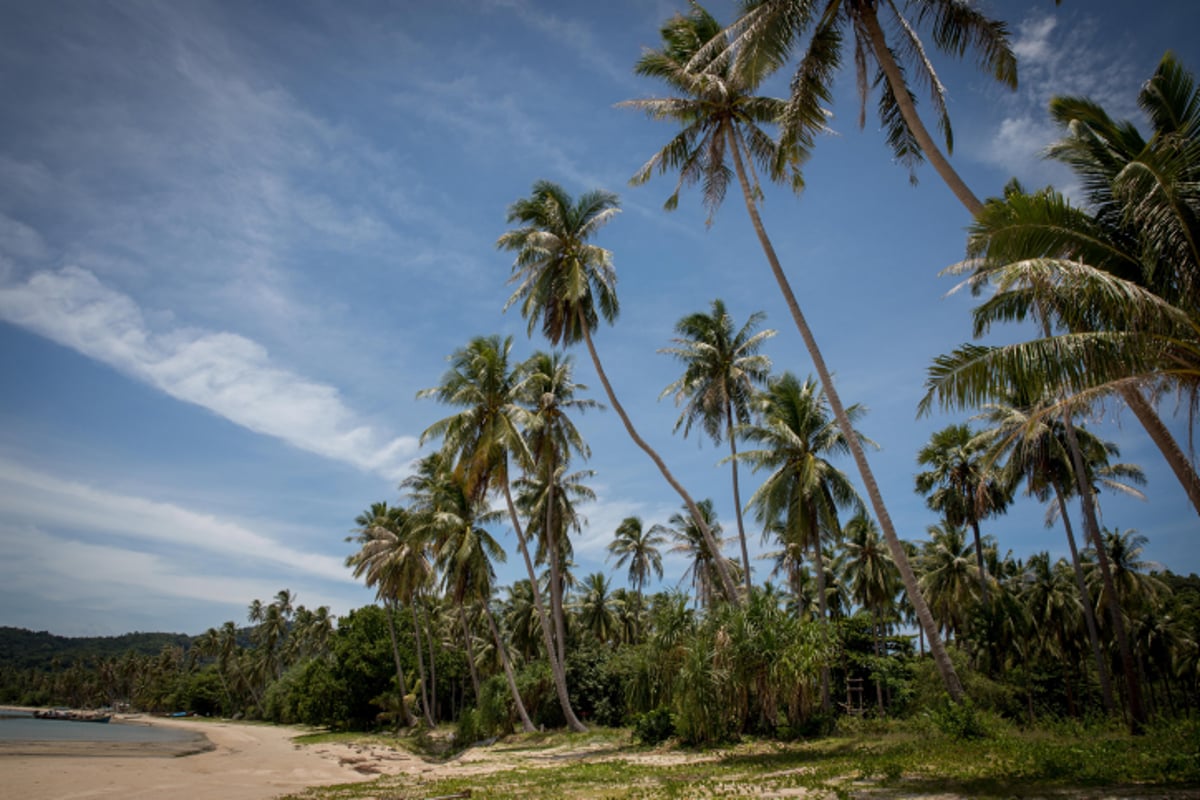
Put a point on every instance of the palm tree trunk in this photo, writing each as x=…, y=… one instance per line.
x=526, y=723
x=912, y=119
x=936, y=648
x=1178, y=461
x=983, y=581
x=822, y=608
x=425, y=707
x=722, y=570
x=556, y=578
x=877, y=629
x=1137, y=712
x=557, y=669
x=429, y=643
x=462, y=618
x=389, y=607
x=1085, y=597
x=737, y=495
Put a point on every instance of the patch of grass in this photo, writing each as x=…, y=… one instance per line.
x=880, y=760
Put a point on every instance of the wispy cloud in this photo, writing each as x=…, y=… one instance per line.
x=224, y=372
x=36, y=500
x=1056, y=59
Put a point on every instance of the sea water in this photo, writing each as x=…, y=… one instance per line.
x=21, y=726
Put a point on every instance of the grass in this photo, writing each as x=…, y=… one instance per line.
x=873, y=760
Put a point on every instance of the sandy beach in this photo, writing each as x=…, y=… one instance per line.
x=225, y=761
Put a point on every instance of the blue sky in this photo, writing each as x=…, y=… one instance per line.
x=236, y=239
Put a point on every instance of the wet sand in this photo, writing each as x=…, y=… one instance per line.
x=223, y=761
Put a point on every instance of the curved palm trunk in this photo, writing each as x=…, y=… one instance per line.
x=1137, y=712
x=429, y=642
x=526, y=722
x=737, y=495
x=1172, y=452
x=557, y=669
x=936, y=647
x=727, y=584
x=912, y=119
x=389, y=606
x=425, y=707
x=1085, y=597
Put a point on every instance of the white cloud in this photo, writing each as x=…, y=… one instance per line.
x=224, y=372
x=34, y=499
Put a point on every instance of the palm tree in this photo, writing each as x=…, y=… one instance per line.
x=597, y=608
x=804, y=490
x=465, y=553
x=720, y=116
x=552, y=438
x=638, y=545
x=482, y=437
x=568, y=284
x=396, y=569
x=1037, y=451
x=962, y=484
x=768, y=31
x=948, y=578
x=722, y=370
x=1119, y=277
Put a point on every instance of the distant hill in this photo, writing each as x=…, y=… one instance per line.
x=25, y=649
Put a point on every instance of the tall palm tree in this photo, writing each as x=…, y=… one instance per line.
x=639, y=546
x=597, y=608
x=482, y=438
x=1038, y=452
x=720, y=117
x=872, y=577
x=722, y=371
x=949, y=578
x=551, y=392
x=962, y=484
x=567, y=284
x=768, y=32
x=465, y=553
x=803, y=491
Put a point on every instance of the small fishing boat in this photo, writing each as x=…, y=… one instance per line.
x=72, y=715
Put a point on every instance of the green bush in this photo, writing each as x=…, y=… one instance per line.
x=654, y=726
x=958, y=720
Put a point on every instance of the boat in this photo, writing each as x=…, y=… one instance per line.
x=71, y=715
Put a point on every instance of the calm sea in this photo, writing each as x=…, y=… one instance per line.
x=20, y=726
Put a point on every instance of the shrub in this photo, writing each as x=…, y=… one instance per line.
x=958, y=720
x=654, y=726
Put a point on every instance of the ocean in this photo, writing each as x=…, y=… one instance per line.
x=21, y=726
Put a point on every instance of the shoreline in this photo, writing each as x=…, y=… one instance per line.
x=220, y=760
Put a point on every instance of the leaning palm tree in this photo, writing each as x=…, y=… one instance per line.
x=722, y=118
x=768, y=31
x=482, y=438
x=567, y=284
x=803, y=491
x=722, y=371
x=962, y=484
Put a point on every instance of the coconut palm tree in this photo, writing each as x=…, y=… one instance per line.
x=949, y=578
x=596, y=606
x=567, y=284
x=482, y=438
x=722, y=371
x=639, y=546
x=803, y=491
x=872, y=578
x=465, y=553
x=768, y=32
x=396, y=564
x=722, y=118
x=962, y=484
x=551, y=393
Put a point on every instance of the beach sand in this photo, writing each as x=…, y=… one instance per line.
x=225, y=761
